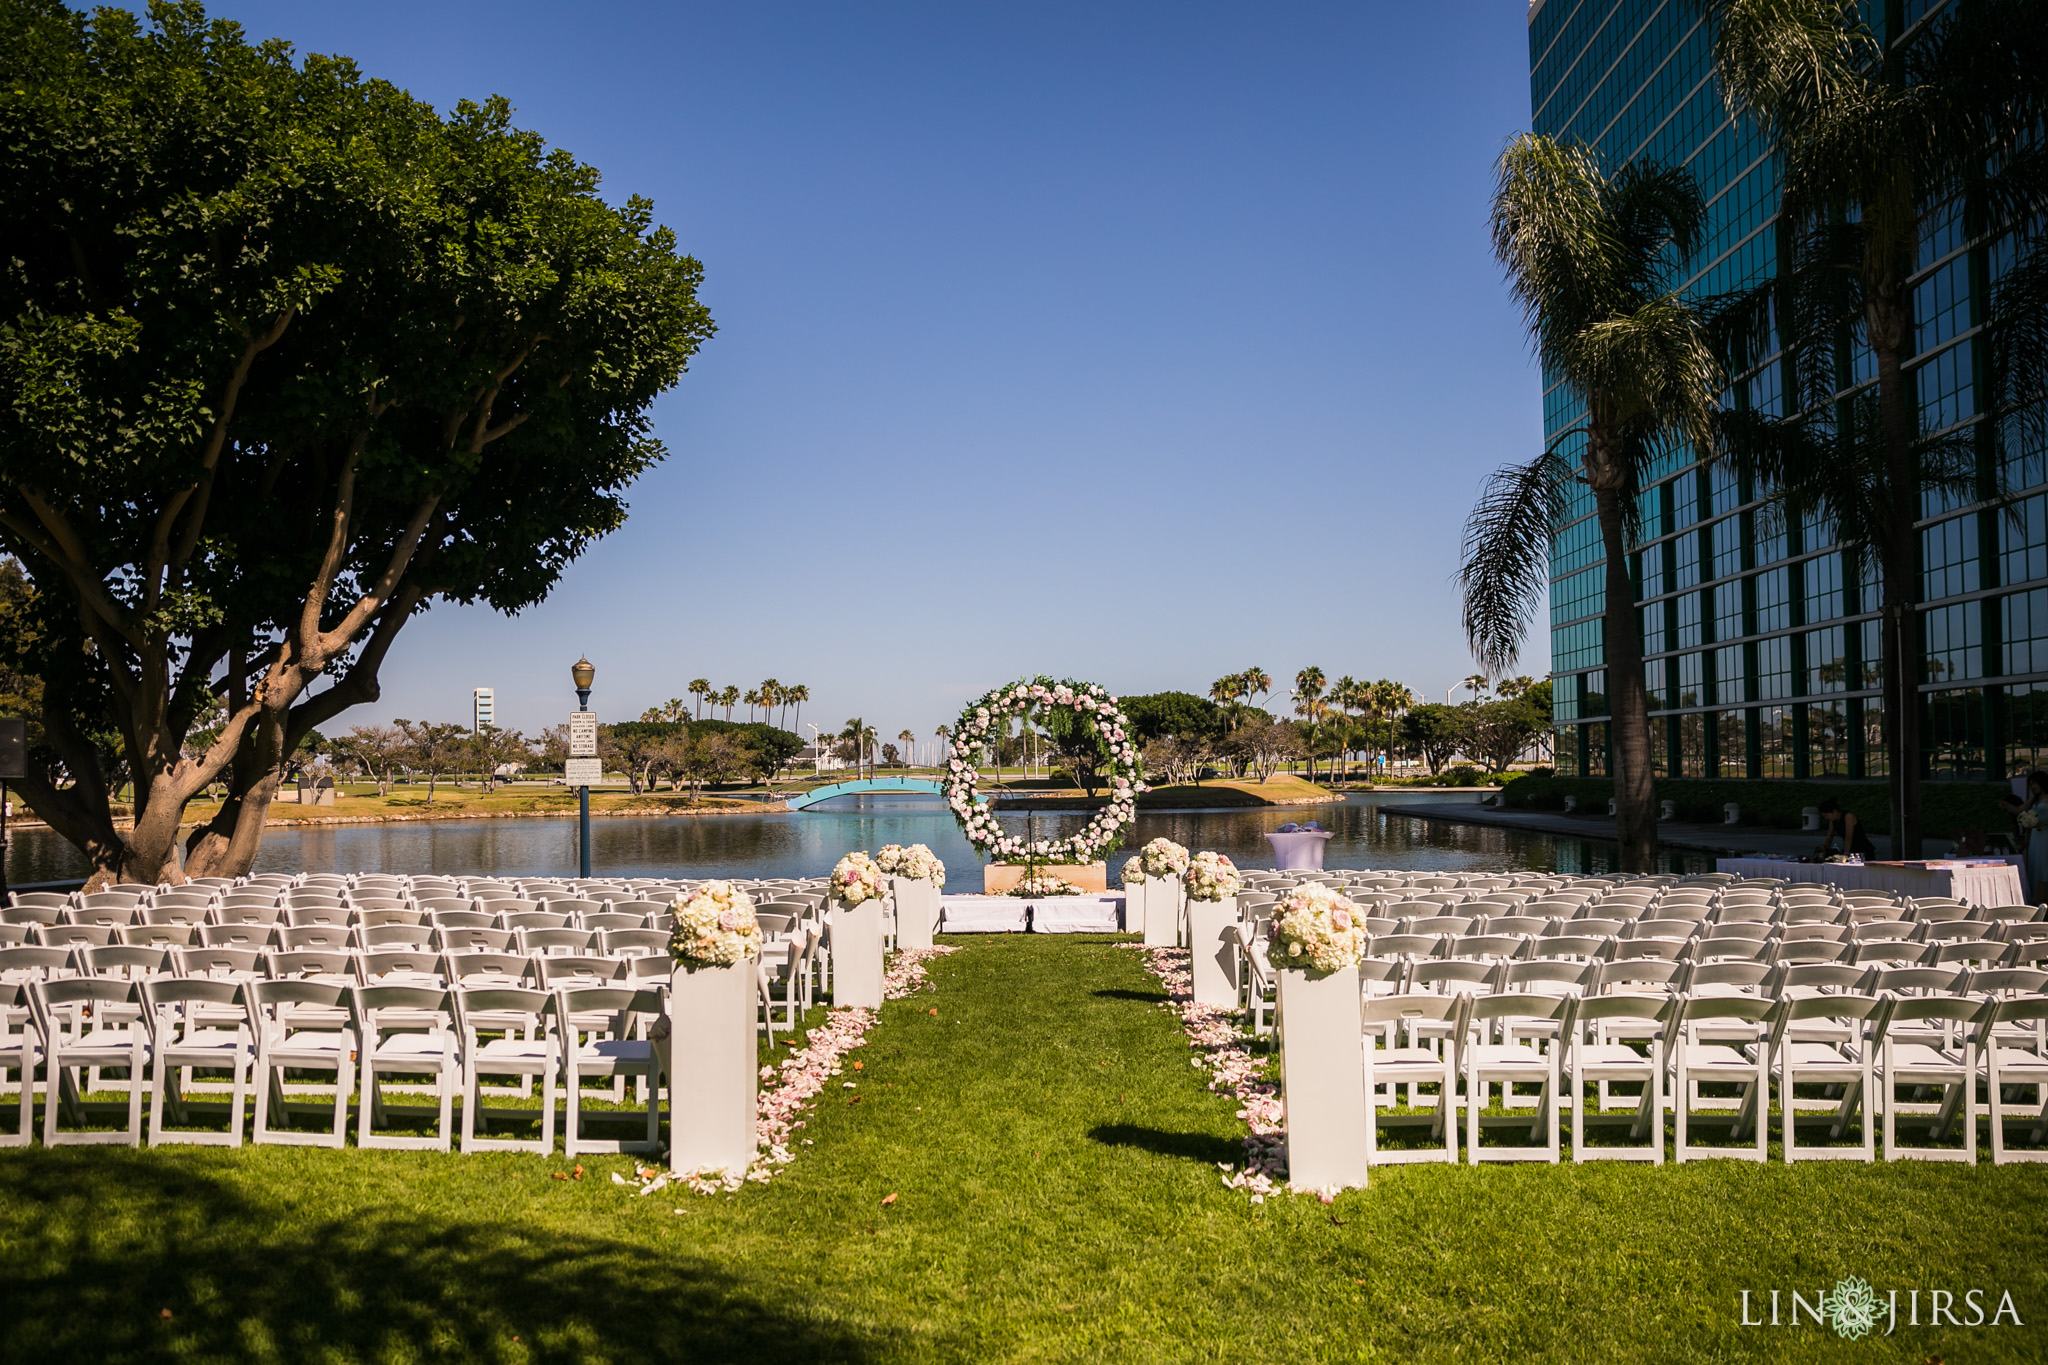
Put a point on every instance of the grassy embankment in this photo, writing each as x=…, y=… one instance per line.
x=1052, y=1157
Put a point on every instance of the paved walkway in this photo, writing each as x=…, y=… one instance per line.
x=1725, y=840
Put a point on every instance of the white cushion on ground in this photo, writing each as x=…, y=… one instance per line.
x=981, y=915
x=1075, y=915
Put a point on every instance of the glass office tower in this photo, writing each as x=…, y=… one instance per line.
x=1762, y=659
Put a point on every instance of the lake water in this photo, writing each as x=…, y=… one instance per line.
x=1371, y=830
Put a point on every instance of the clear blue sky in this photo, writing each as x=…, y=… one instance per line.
x=1132, y=342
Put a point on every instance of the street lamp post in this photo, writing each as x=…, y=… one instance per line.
x=583, y=673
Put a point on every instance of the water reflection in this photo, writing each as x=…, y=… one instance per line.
x=1371, y=830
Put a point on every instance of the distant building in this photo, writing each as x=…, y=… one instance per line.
x=484, y=709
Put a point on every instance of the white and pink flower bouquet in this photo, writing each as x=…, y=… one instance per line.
x=916, y=863
x=1045, y=885
x=1165, y=858
x=1134, y=871
x=1316, y=930
x=856, y=878
x=1212, y=877
x=715, y=927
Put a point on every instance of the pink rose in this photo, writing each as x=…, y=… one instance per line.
x=1340, y=920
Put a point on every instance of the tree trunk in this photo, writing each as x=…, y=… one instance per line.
x=1628, y=745
x=1887, y=319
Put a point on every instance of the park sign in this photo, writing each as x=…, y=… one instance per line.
x=583, y=772
x=583, y=734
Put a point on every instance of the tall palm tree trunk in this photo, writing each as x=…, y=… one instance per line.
x=1628, y=743
x=1888, y=324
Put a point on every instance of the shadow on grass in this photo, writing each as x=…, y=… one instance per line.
x=1204, y=1147
x=1149, y=997
x=93, y=1249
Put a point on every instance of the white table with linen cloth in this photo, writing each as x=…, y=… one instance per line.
x=1973, y=881
x=1298, y=850
x=1050, y=915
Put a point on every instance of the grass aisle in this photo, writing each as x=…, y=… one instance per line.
x=1052, y=1153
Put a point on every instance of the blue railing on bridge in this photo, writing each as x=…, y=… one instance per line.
x=921, y=785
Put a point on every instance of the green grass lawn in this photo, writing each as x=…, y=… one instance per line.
x=1053, y=1156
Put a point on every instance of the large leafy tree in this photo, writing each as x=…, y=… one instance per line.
x=285, y=356
x=1591, y=256
x=1874, y=147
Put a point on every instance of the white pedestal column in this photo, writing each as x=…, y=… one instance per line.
x=856, y=954
x=1322, y=1079
x=917, y=911
x=1162, y=912
x=1215, y=959
x=713, y=1067
x=1134, y=907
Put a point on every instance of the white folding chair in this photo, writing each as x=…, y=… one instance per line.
x=2014, y=1068
x=1414, y=1066
x=88, y=1024
x=1719, y=1039
x=525, y=1047
x=1908, y=1058
x=1600, y=1058
x=1484, y=1063
x=405, y=1031
x=1835, y=1054
x=299, y=1026
x=21, y=1051
x=186, y=1037
x=626, y=1052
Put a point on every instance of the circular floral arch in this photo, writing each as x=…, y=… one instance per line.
x=1072, y=709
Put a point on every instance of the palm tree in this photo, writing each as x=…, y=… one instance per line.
x=1390, y=700
x=1257, y=682
x=1867, y=140
x=729, y=698
x=700, y=688
x=753, y=700
x=943, y=734
x=909, y=742
x=1309, y=705
x=1590, y=256
x=862, y=736
x=771, y=696
x=1477, y=683
x=796, y=696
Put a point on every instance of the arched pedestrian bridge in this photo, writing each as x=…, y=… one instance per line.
x=859, y=786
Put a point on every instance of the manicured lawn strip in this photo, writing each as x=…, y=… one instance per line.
x=1053, y=1155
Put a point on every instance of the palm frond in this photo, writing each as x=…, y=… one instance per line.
x=1506, y=564
x=2018, y=350
x=1782, y=62
x=1655, y=369
x=1553, y=235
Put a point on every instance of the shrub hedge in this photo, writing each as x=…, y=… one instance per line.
x=1777, y=803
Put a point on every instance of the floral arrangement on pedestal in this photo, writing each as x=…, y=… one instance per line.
x=1164, y=858
x=1043, y=885
x=1134, y=871
x=1080, y=716
x=715, y=927
x=856, y=878
x=1316, y=930
x=1212, y=877
x=916, y=863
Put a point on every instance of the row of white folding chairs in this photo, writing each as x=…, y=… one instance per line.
x=790, y=967
x=554, y=938
x=1508, y=947
x=1866, y=1045
x=72, y=1031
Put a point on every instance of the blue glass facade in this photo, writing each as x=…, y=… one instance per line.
x=1761, y=658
